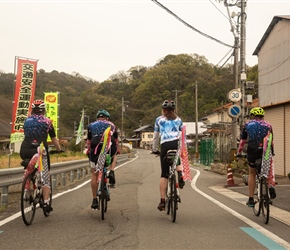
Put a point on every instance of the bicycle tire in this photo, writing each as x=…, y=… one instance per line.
x=102, y=196
x=265, y=202
x=46, y=214
x=257, y=207
x=107, y=194
x=173, y=198
x=28, y=206
x=168, y=200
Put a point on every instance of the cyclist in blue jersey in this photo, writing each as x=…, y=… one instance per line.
x=36, y=129
x=253, y=132
x=169, y=127
x=95, y=135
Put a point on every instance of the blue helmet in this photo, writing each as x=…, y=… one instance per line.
x=103, y=113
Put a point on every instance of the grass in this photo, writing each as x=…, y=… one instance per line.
x=14, y=160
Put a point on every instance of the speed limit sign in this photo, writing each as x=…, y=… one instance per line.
x=235, y=95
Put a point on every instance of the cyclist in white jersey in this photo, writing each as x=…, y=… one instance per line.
x=169, y=126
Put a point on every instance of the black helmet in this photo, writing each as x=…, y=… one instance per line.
x=103, y=113
x=168, y=104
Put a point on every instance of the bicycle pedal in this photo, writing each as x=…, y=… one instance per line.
x=111, y=185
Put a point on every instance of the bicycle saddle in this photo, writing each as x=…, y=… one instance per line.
x=25, y=163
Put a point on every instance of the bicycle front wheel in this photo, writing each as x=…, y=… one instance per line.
x=28, y=192
x=265, y=201
x=173, y=198
x=257, y=207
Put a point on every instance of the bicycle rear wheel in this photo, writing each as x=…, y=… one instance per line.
x=257, y=207
x=103, y=196
x=265, y=202
x=28, y=205
x=173, y=198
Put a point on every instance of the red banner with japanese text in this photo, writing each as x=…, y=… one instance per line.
x=24, y=96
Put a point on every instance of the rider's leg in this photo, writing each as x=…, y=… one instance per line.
x=252, y=181
x=94, y=187
x=162, y=187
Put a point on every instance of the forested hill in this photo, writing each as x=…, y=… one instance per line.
x=143, y=90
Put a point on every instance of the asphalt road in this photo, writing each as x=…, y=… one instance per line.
x=206, y=218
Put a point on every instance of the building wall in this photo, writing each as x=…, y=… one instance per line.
x=273, y=66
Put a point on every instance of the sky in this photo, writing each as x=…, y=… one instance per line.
x=100, y=38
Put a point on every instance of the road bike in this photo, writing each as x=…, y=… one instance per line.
x=172, y=193
x=262, y=197
x=31, y=190
x=103, y=191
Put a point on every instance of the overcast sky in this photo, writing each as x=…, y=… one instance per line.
x=100, y=38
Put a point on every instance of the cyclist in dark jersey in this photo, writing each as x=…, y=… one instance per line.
x=36, y=129
x=253, y=132
x=95, y=133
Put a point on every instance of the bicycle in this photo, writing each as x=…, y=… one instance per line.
x=262, y=197
x=31, y=191
x=103, y=191
x=172, y=192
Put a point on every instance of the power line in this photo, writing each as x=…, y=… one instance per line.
x=188, y=25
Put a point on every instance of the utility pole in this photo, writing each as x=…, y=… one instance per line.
x=196, y=124
x=243, y=76
x=123, y=110
x=176, y=91
x=236, y=83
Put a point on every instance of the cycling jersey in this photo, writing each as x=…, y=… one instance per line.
x=168, y=129
x=95, y=133
x=98, y=127
x=255, y=131
x=36, y=130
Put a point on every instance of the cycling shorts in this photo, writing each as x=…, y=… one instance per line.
x=170, y=145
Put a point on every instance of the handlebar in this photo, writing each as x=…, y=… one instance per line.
x=241, y=156
x=51, y=152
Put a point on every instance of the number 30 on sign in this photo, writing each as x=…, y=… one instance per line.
x=235, y=95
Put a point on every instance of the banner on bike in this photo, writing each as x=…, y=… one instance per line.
x=184, y=156
x=24, y=95
x=52, y=104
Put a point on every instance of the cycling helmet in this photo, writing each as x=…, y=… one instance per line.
x=257, y=111
x=168, y=104
x=103, y=113
x=38, y=105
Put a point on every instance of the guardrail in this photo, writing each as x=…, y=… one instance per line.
x=60, y=172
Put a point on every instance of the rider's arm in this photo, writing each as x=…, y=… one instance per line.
x=155, y=141
x=243, y=140
x=55, y=143
x=54, y=140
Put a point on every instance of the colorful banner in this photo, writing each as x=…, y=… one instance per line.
x=51, y=101
x=24, y=95
x=80, y=129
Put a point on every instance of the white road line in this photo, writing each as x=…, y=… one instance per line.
x=264, y=231
x=14, y=216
